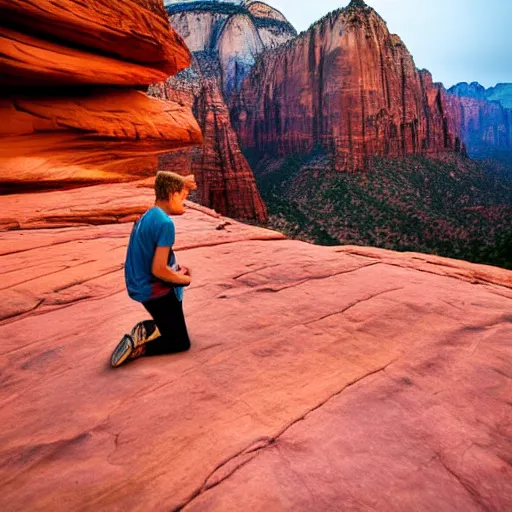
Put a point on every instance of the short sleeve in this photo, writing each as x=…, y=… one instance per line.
x=167, y=235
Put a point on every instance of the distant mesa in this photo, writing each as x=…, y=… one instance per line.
x=346, y=85
x=500, y=92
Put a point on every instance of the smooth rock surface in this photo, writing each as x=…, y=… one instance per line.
x=318, y=377
x=238, y=47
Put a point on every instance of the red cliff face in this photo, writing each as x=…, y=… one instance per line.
x=78, y=117
x=225, y=180
x=347, y=85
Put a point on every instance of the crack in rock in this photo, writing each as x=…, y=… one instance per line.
x=38, y=310
x=187, y=247
x=63, y=242
x=243, y=457
x=475, y=496
x=255, y=270
x=295, y=284
x=481, y=281
x=113, y=270
x=352, y=305
x=14, y=316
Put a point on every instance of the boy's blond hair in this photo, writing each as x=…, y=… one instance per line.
x=167, y=182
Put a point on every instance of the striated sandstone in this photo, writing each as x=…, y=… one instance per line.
x=104, y=135
x=77, y=118
x=346, y=85
x=29, y=60
x=317, y=376
x=128, y=30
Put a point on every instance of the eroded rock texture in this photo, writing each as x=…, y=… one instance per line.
x=63, y=121
x=318, y=376
x=348, y=86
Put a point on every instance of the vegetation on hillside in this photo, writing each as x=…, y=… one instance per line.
x=452, y=207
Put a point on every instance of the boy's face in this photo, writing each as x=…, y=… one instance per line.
x=176, y=201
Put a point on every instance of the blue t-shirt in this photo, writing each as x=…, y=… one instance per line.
x=154, y=229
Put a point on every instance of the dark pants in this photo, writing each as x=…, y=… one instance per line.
x=167, y=311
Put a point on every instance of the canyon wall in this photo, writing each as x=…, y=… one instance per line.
x=225, y=39
x=348, y=86
x=234, y=32
x=225, y=180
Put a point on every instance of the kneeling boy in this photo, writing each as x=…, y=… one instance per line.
x=153, y=276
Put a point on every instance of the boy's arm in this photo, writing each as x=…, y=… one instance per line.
x=161, y=270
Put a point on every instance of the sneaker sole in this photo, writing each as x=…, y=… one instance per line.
x=122, y=351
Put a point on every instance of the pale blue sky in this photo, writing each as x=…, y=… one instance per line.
x=456, y=40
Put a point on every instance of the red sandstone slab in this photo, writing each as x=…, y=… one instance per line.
x=316, y=377
x=85, y=263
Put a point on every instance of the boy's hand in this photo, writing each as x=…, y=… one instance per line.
x=188, y=280
x=186, y=270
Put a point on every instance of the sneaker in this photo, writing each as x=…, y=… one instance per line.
x=137, y=352
x=144, y=332
x=122, y=351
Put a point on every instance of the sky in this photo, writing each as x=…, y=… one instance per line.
x=456, y=40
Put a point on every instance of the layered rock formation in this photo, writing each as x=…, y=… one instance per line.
x=483, y=117
x=225, y=180
x=346, y=85
x=318, y=376
x=64, y=122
